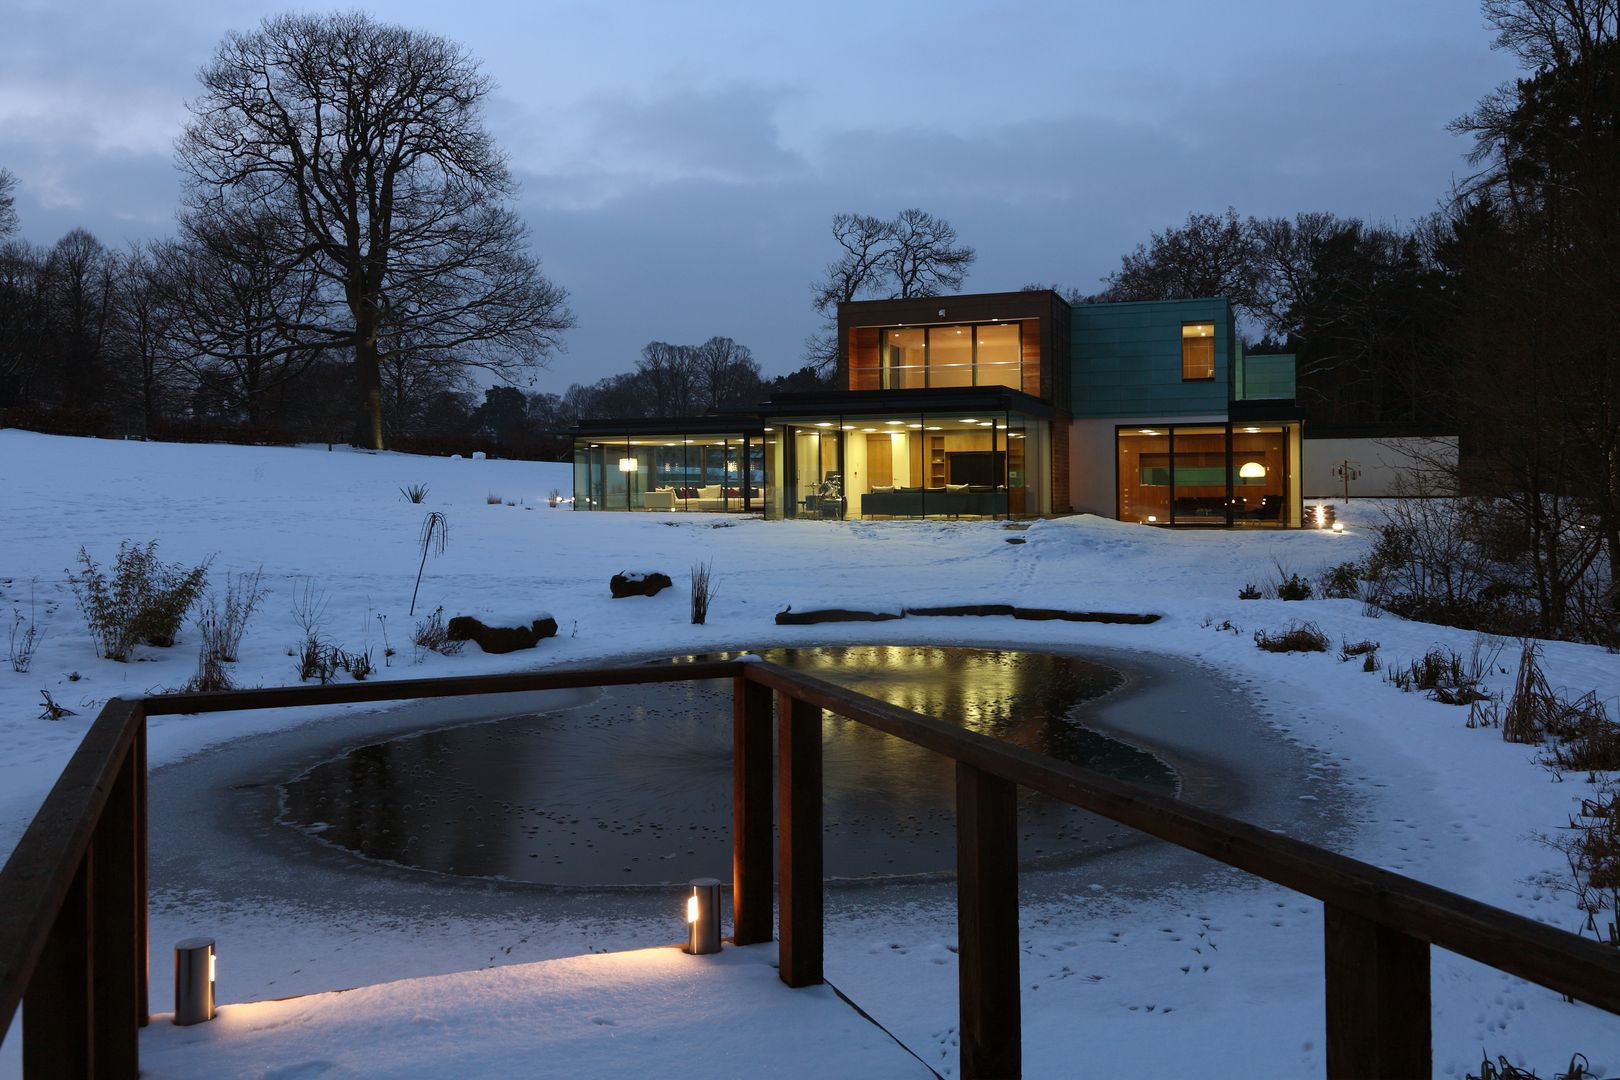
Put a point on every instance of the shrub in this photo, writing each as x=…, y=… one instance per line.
x=1341, y=582
x=223, y=622
x=414, y=493
x=1349, y=650
x=492, y=499
x=1446, y=677
x=25, y=636
x=145, y=599
x=211, y=673
x=1248, y=592
x=435, y=537
x=702, y=591
x=51, y=710
x=432, y=636
x=1298, y=637
x=1294, y=588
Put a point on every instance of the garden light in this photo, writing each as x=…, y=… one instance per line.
x=194, y=971
x=703, y=917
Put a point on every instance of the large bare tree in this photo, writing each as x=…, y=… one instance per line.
x=912, y=254
x=366, y=141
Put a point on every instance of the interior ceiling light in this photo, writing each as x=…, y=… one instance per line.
x=913, y=425
x=869, y=430
x=824, y=423
x=936, y=429
x=894, y=421
x=1252, y=430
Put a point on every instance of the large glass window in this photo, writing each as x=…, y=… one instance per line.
x=950, y=356
x=1199, y=477
x=911, y=465
x=1198, y=350
x=1144, y=476
x=710, y=473
x=905, y=360
x=1206, y=475
x=997, y=356
x=988, y=354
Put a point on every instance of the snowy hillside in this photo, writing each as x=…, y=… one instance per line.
x=1436, y=800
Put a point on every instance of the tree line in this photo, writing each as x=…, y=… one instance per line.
x=345, y=258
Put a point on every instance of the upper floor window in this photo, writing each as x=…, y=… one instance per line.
x=986, y=354
x=1197, y=350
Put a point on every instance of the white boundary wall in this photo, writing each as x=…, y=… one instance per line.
x=1381, y=461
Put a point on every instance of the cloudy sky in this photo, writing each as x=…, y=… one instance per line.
x=680, y=161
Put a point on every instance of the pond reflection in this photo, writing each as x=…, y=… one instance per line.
x=635, y=789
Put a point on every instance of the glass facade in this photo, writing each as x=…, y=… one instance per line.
x=899, y=465
x=977, y=354
x=1209, y=474
x=715, y=473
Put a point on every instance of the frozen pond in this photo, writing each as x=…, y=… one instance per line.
x=635, y=788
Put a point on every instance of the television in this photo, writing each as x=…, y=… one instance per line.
x=976, y=467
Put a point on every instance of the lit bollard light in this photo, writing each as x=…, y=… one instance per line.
x=194, y=965
x=703, y=917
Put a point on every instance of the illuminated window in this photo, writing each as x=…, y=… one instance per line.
x=1197, y=351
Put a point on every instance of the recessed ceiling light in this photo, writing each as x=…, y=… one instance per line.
x=869, y=430
x=1252, y=430
x=894, y=421
x=823, y=423
x=969, y=420
x=913, y=425
x=849, y=427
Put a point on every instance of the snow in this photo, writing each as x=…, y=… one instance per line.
x=1216, y=974
x=583, y=1017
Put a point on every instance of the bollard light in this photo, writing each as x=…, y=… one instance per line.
x=1338, y=526
x=194, y=970
x=703, y=916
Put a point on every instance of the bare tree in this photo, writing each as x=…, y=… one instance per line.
x=727, y=372
x=1210, y=255
x=913, y=254
x=142, y=325
x=8, y=204
x=366, y=140
x=924, y=259
x=236, y=305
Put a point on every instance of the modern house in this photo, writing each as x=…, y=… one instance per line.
x=994, y=405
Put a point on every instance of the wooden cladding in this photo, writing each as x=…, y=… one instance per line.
x=865, y=371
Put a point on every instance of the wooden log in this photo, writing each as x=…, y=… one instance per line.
x=798, y=740
x=1377, y=999
x=987, y=924
x=751, y=848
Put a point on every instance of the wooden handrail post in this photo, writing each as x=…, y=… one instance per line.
x=751, y=850
x=798, y=740
x=116, y=960
x=143, y=934
x=1377, y=999
x=59, y=1008
x=987, y=924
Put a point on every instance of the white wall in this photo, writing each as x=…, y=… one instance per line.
x=1381, y=461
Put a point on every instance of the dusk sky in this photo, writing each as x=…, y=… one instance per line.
x=680, y=162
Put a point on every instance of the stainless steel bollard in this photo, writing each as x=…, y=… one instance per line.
x=194, y=980
x=703, y=917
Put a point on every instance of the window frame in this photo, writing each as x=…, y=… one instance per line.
x=1213, y=338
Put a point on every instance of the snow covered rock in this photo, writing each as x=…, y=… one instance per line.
x=638, y=583
x=501, y=635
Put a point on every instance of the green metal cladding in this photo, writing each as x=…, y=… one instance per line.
x=1126, y=359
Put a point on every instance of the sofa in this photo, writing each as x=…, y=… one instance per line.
x=710, y=497
x=952, y=500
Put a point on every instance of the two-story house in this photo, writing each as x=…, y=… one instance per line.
x=995, y=405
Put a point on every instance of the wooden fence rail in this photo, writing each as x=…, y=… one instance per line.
x=73, y=895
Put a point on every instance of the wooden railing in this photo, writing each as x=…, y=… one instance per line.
x=73, y=941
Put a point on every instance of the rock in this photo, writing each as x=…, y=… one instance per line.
x=501, y=639
x=644, y=583
x=810, y=618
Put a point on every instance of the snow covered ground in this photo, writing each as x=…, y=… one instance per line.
x=1220, y=977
